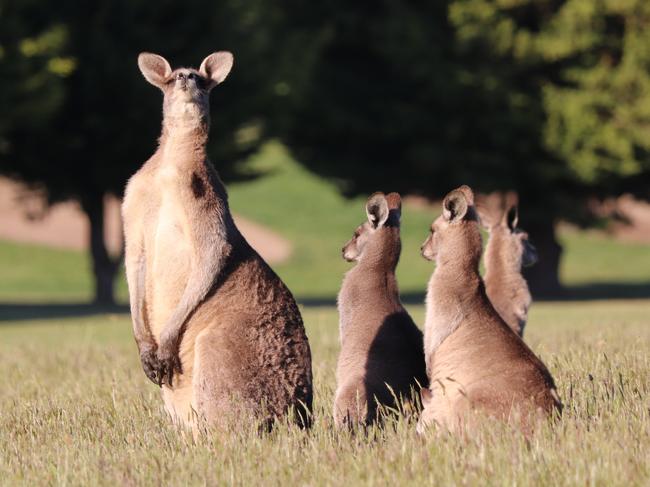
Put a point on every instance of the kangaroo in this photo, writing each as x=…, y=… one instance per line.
x=381, y=356
x=507, y=252
x=216, y=328
x=475, y=361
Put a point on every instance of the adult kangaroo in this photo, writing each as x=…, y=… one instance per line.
x=476, y=363
x=216, y=328
x=507, y=252
x=381, y=356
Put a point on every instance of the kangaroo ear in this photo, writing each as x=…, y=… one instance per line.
x=511, y=210
x=216, y=67
x=455, y=206
x=469, y=194
x=512, y=217
x=154, y=68
x=425, y=395
x=377, y=210
x=394, y=201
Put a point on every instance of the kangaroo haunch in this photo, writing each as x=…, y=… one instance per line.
x=215, y=326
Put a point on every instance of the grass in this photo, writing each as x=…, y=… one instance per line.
x=76, y=409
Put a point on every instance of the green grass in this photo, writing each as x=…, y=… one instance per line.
x=318, y=221
x=76, y=409
x=593, y=258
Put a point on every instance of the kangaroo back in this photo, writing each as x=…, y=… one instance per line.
x=381, y=358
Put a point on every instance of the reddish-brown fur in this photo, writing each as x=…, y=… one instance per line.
x=474, y=360
x=381, y=354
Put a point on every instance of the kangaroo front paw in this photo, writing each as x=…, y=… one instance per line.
x=150, y=365
x=168, y=363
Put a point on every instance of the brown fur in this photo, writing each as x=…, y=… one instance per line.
x=381, y=354
x=215, y=326
x=507, y=252
x=474, y=360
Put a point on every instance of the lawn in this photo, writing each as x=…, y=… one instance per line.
x=76, y=409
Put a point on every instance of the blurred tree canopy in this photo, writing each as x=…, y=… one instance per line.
x=547, y=97
x=78, y=117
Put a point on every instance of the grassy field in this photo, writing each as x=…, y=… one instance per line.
x=76, y=409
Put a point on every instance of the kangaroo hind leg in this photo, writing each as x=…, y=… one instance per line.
x=225, y=394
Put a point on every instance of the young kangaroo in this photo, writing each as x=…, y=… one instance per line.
x=381, y=348
x=507, y=251
x=474, y=360
x=215, y=326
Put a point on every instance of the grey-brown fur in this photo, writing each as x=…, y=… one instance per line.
x=508, y=250
x=215, y=326
x=476, y=363
x=380, y=343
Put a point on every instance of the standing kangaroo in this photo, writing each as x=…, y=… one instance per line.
x=507, y=252
x=381, y=355
x=474, y=360
x=215, y=327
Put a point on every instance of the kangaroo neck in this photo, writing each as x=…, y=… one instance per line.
x=369, y=293
x=498, y=260
x=370, y=277
x=456, y=280
x=184, y=141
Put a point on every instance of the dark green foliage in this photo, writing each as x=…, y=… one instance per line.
x=546, y=97
x=80, y=119
x=103, y=121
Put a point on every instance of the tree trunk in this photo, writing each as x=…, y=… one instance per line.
x=544, y=277
x=104, y=266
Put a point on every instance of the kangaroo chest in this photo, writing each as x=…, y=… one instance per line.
x=171, y=245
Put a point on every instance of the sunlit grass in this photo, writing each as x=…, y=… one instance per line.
x=76, y=409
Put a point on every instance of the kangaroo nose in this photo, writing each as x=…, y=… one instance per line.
x=181, y=80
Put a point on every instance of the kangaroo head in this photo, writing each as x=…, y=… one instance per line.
x=383, y=213
x=455, y=235
x=500, y=217
x=186, y=90
x=516, y=240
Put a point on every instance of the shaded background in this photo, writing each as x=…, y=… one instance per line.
x=327, y=103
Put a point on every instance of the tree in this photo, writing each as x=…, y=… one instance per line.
x=541, y=96
x=83, y=119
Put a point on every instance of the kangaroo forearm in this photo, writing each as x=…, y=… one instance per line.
x=199, y=284
x=136, y=278
x=194, y=293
